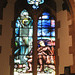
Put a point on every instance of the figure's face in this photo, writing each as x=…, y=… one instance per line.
x=42, y=43
x=52, y=48
x=25, y=21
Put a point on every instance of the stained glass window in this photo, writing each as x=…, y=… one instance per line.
x=35, y=3
x=23, y=44
x=46, y=45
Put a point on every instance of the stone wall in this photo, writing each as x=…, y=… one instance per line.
x=65, y=58
x=5, y=38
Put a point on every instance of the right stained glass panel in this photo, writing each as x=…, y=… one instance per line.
x=46, y=45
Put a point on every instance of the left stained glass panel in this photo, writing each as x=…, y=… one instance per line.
x=23, y=44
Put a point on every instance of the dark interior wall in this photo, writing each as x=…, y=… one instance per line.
x=3, y=4
x=9, y=11
x=6, y=18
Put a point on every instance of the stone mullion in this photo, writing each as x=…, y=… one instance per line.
x=35, y=45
